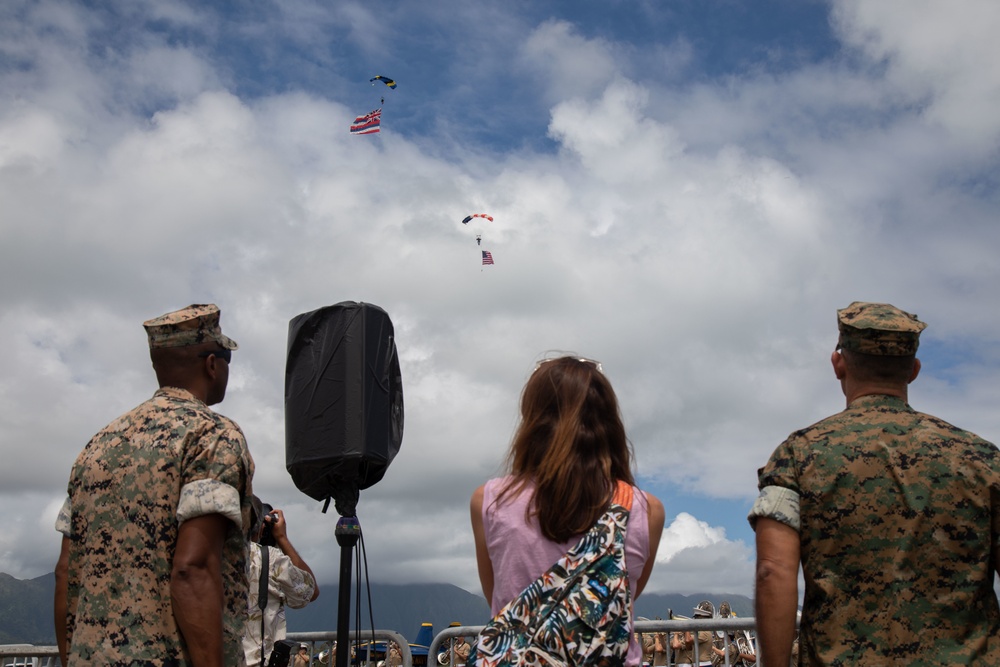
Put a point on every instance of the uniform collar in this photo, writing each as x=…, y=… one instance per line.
x=176, y=392
x=879, y=401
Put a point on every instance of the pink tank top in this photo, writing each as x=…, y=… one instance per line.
x=520, y=553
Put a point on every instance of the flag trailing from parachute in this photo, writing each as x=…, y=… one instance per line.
x=487, y=257
x=370, y=123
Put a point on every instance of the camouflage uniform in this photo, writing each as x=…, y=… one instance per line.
x=168, y=460
x=898, y=515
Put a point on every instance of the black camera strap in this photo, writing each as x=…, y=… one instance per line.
x=265, y=566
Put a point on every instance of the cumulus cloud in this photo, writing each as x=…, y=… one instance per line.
x=690, y=548
x=945, y=60
x=568, y=64
x=694, y=235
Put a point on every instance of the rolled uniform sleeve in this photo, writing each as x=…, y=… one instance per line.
x=64, y=520
x=779, y=489
x=778, y=503
x=209, y=496
x=215, y=471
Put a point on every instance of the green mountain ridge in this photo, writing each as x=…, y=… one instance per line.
x=26, y=608
x=404, y=607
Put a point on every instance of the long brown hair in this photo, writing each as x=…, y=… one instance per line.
x=571, y=443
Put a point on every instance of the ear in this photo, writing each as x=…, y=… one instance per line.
x=839, y=365
x=210, y=366
x=916, y=371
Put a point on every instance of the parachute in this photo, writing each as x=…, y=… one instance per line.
x=371, y=122
x=384, y=79
x=479, y=237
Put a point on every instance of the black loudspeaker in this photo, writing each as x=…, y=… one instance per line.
x=343, y=401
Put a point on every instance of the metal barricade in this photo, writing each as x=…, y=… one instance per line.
x=26, y=655
x=727, y=626
x=330, y=638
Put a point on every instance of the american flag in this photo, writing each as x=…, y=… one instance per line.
x=367, y=124
x=487, y=257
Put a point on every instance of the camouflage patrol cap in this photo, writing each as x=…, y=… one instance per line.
x=878, y=328
x=704, y=608
x=194, y=325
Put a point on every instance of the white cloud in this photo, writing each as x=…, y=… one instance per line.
x=695, y=238
x=689, y=549
x=568, y=64
x=944, y=56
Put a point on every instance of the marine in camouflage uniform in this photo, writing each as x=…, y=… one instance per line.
x=153, y=562
x=894, y=515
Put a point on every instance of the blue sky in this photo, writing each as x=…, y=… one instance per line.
x=685, y=190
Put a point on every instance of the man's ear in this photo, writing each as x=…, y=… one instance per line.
x=839, y=365
x=210, y=366
x=916, y=371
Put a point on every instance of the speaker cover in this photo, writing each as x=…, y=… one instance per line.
x=343, y=401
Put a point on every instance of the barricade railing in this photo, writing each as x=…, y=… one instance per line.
x=728, y=627
x=467, y=631
x=26, y=655
x=362, y=636
x=48, y=656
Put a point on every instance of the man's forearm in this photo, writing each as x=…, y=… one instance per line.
x=196, y=587
x=775, y=614
x=60, y=603
x=286, y=548
x=196, y=595
x=776, y=596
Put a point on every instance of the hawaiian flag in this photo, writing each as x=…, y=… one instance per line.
x=367, y=124
x=487, y=257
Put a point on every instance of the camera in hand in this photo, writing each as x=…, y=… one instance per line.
x=266, y=530
x=281, y=654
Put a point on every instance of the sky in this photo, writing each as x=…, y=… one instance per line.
x=685, y=190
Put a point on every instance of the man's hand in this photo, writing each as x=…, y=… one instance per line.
x=279, y=529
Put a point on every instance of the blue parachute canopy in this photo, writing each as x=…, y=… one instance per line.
x=384, y=79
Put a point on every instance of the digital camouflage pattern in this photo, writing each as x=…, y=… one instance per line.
x=579, y=612
x=194, y=325
x=878, y=328
x=900, y=537
x=170, y=456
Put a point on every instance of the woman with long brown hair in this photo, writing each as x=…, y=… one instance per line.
x=568, y=455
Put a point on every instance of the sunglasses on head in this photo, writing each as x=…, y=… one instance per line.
x=596, y=365
x=224, y=353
